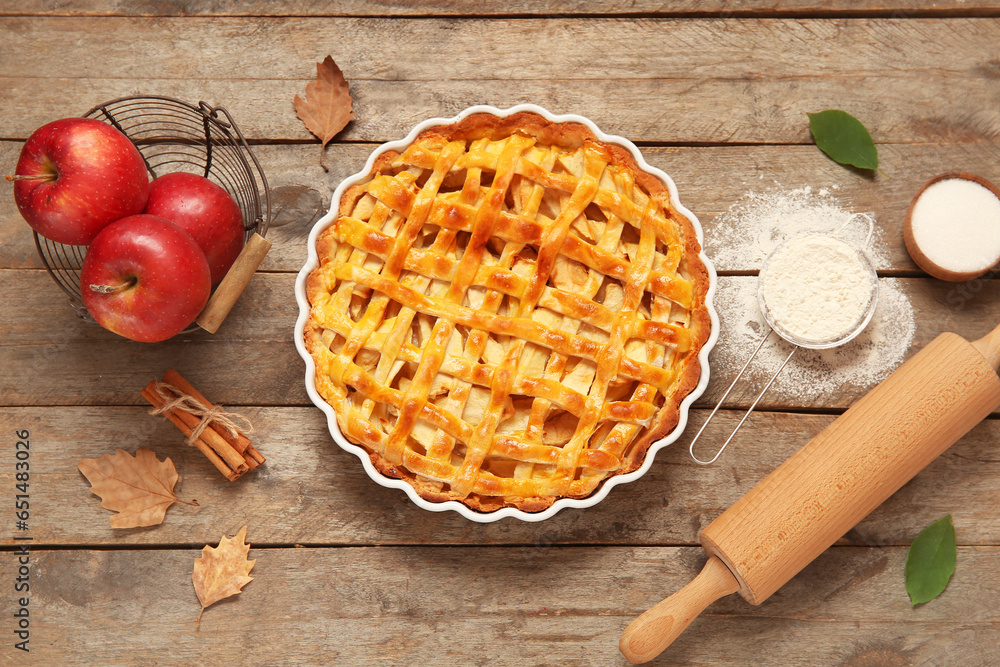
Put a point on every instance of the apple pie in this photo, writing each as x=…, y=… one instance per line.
x=507, y=312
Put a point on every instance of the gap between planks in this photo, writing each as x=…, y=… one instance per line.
x=277, y=546
x=725, y=12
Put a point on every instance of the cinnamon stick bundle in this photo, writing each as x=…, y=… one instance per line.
x=205, y=427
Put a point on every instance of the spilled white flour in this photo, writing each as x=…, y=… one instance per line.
x=766, y=220
x=745, y=234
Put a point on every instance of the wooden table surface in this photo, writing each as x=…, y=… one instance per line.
x=715, y=93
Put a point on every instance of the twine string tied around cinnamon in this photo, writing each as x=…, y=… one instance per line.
x=175, y=399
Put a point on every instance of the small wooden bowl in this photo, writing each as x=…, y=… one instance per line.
x=918, y=255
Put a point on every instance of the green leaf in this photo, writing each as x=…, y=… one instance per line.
x=842, y=136
x=931, y=561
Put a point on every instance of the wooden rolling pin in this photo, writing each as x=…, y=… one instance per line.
x=832, y=483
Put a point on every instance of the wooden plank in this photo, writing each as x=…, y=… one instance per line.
x=113, y=372
x=501, y=606
x=709, y=180
x=693, y=80
x=54, y=358
x=403, y=8
x=590, y=47
x=671, y=48
x=744, y=109
x=266, y=311
x=311, y=492
x=968, y=309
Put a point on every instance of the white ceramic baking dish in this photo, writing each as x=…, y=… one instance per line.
x=313, y=261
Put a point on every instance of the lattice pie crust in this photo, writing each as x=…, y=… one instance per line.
x=507, y=313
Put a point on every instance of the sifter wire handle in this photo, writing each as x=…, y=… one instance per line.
x=868, y=220
x=752, y=405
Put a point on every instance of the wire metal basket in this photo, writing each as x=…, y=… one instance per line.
x=173, y=135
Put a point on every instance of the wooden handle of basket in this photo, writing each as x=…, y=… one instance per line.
x=824, y=489
x=232, y=286
x=659, y=626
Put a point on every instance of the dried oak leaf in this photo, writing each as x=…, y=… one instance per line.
x=222, y=571
x=327, y=107
x=140, y=489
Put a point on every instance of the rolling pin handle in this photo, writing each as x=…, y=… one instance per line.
x=989, y=347
x=656, y=628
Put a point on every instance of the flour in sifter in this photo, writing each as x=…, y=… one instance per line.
x=816, y=288
x=739, y=240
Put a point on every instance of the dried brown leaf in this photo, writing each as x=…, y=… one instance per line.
x=222, y=571
x=139, y=488
x=326, y=110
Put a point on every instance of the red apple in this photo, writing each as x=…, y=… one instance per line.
x=205, y=211
x=76, y=176
x=144, y=278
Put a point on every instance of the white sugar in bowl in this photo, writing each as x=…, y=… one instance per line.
x=952, y=227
